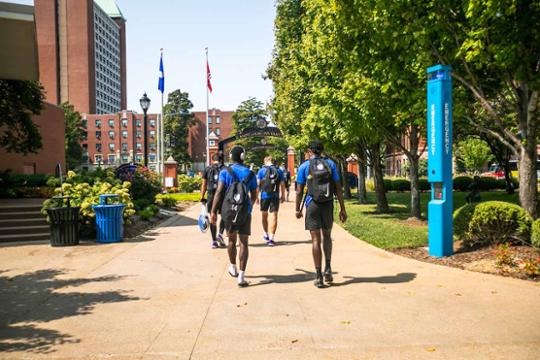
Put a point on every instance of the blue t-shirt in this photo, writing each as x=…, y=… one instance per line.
x=241, y=173
x=262, y=173
x=303, y=172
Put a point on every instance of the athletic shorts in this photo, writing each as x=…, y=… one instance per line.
x=210, y=202
x=320, y=215
x=270, y=204
x=244, y=229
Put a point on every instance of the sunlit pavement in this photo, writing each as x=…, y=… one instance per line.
x=167, y=295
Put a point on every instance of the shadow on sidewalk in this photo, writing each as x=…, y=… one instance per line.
x=281, y=243
x=43, y=296
x=304, y=276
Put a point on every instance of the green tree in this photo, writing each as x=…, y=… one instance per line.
x=474, y=153
x=177, y=120
x=19, y=100
x=74, y=135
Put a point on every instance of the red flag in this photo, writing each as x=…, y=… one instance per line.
x=208, y=76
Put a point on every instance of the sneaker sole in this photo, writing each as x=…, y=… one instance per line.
x=233, y=275
x=243, y=284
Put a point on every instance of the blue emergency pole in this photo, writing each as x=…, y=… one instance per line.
x=439, y=124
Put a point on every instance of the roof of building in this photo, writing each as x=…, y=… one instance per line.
x=110, y=7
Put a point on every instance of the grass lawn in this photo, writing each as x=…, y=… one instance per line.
x=390, y=231
x=194, y=196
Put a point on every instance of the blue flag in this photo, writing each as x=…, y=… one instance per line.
x=161, y=83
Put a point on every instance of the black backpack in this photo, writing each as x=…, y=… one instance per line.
x=213, y=178
x=320, y=183
x=235, y=207
x=271, y=180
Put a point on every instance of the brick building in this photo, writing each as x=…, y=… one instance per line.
x=82, y=53
x=51, y=126
x=114, y=139
x=219, y=122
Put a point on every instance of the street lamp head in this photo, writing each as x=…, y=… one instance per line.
x=145, y=102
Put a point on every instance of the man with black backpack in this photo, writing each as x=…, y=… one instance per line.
x=236, y=193
x=271, y=183
x=322, y=179
x=209, y=187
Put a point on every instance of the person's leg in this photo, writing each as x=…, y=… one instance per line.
x=213, y=228
x=272, y=224
x=244, y=233
x=327, y=247
x=317, y=256
x=264, y=215
x=231, y=250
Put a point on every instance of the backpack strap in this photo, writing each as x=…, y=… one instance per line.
x=248, y=178
x=231, y=172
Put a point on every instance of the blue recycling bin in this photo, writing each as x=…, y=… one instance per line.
x=109, y=221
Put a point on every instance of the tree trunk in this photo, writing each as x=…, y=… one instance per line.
x=378, y=176
x=362, y=169
x=508, y=176
x=345, y=180
x=527, y=180
x=416, y=211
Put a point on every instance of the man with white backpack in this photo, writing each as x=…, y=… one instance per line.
x=236, y=193
x=209, y=186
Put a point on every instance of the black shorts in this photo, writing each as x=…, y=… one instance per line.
x=209, y=202
x=320, y=215
x=244, y=229
x=271, y=204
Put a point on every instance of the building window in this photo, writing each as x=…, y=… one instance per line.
x=209, y=119
x=152, y=146
x=139, y=134
x=111, y=122
x=218, y=131
x=138, y=123
x=212, y=142
x=98, y=159
x=98, y=135
x=85, y=135
x=111, y=134
x=124, y=147
x=218, y=119
x=124, y=122
x=152, y=123
x=84, y=123
x=125, y=159
x=138, y=158
x=98, y=123
x=98, y=147
x=139, y=147
x=152, y=157
x=112, y=159
x=111, y=146
x=152, y=133
x=124, y=134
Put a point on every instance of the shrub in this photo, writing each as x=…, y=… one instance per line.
x=424, y=185
x=462, y=183
x=148, y=212
x=462, y=219
x=145, y=185
x=21, y=185
x=401, y=185
x=189, y=183
x=488, y=183
x=388, y=184
x=165, y=201
x=494, y=222
x=535, y=233
x=85, y=195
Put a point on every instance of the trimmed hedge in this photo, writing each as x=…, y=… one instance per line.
x=535, y=233
x=461, y=183
x=492, y=222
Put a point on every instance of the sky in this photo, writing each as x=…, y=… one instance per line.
x=239, y=37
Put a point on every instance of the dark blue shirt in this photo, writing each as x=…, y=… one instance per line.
x=303, y=173
x=241, y=173
x=262, y=173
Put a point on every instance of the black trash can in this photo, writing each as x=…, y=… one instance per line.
x=64, y=225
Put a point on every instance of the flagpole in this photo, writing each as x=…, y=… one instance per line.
x=159, y=130
x=207, y=105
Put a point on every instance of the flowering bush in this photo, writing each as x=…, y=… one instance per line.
x=84, y=194
x=189, y=183
x=145, y=185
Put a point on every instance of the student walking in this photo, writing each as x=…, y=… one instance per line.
x=322, y=179
x=287, y=177
x=209, y=187
x=271, y=185
x=236, y=191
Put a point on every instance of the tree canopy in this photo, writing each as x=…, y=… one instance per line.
x=177, y=120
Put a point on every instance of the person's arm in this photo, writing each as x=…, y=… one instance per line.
x=217, y=201
x=282, y=190
x=299, y=198
x=339, y=195
x=203, y=189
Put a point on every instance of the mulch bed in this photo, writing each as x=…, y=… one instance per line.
x=479, y=259
x=139, y=226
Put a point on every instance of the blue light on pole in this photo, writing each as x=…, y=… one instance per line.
x=439, y=124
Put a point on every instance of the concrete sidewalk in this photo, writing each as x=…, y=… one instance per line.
x=168, y=296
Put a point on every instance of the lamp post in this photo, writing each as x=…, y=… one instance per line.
x=145, y=104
